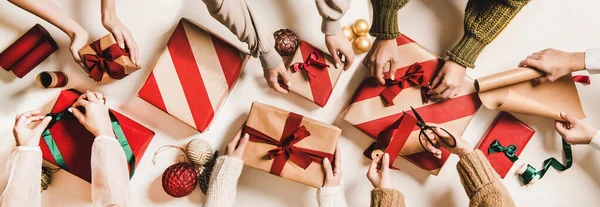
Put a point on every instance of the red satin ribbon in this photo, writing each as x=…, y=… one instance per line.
x=104, y=60
x=582, y=79
x=313, y=62
x=393, y=138
x=414, y=76
x=285, y=147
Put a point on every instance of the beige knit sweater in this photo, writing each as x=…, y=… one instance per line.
x=481, y=182
x=223, y=183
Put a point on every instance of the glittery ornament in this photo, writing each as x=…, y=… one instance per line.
x=362, y=44
x=179, y=179
x=204, y=177
x=286, y=42
x=347, y=31
x=198, y=151
x=361, y=27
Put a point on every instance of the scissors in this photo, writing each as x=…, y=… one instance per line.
x=424, y=127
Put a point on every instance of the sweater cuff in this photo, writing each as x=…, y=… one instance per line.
x=333, y=194
x=270, y=60
x=228, y=168
x=592, y=59
x=385, y=19
x=475, y=172
x=465, y=52
x=331, y=27
x=386, y=197
x=595, y=143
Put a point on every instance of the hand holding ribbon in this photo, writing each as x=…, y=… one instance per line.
x=414, y=76
x=104, y=60
x=510, y=151
x=313, y=62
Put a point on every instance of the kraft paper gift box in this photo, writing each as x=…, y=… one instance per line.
x=194, y=75
x=312, y=73
x=289, y=145
x=506, y=136
x=68, y=144
x=378, y=110
x=105, y=61
x=28, y=51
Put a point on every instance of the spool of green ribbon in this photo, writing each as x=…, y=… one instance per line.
x=529, y=175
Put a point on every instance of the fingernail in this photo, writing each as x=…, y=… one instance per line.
x=326, y=160
x=246, y=136
x=289, y=84
x=337, y=65
x=563, y=114
x=122, y=46
x=386, y=155
x=70, y=110
x=392, y=76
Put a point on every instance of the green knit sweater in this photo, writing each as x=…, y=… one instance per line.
x=484, y=20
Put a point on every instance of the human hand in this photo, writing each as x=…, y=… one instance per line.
x=575, y=131
x=25, y=131
x=79, y=39
x=96, y=119
x=448, y=81
x=272, y=77
x=333, y=177
x=382, y=52
x=462, y=146
x=236, y=147
x=555, y=63
x=122, y=35
x=339, y=44
x=379, y=172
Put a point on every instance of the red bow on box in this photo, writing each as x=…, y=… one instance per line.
x=103, y=60
x=313, y=62
x=286, y=149
x=414, y=76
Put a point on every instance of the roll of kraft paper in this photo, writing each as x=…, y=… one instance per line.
x=52, y=79
x=28, y=51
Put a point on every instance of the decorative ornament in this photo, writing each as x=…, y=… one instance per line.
x=179, y=179
x=286, y=42
x=362, y=44
x=361, y=27
x=347, y=31
x=47, y=177
x=204, y=177
x=198, y=151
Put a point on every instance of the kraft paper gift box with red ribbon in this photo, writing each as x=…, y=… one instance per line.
x=104, y=60
x=378, y=110
x=28, y=51
x=312, y=73
x=289, y=145
x=193, y=75
x=504, y=141
x=68, y=144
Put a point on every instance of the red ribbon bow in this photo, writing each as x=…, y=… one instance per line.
x=314, y=62
x=286, y=149
x=104, y=60
x=414, y=76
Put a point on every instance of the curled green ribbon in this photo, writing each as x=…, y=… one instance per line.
x=510, y=151
x=530, y=173
x=117, y=129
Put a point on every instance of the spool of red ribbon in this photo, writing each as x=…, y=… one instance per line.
x=28, y=51
x=51, y=79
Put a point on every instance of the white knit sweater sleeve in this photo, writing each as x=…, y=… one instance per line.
x=110, y=175
x=331, y=197
x=223, y=182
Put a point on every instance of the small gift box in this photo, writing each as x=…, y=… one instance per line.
x=378, y=110
x=28, y=51
x=68, y=144
x=104, y=59
x=193, y=75
x=289, y=145
x=312, y=73
x=504, y=141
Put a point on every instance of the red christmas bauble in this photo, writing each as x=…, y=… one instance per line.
x=179, y=179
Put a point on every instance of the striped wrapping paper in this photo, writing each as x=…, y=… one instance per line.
x=193, y=75
x=371, y=114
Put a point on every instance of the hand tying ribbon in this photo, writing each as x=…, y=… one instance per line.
x=314, y=62
x=104, y=60
x=414, y=76
x=285, y=147
x=510, y=151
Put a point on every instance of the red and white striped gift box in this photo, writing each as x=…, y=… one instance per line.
x=193, y=75
x=371, y=113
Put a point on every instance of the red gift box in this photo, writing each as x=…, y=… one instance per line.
x=68, y=144
x=193, y=75
x=28, y=51
x=507, y=130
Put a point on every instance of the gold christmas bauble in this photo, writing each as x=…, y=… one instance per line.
x=361, y=27
x=348, y=33
x=362, y=44
x=198, y=151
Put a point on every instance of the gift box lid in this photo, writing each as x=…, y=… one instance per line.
x=74, y=141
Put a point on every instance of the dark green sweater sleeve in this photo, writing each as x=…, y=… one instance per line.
x=385, y=18
x=484, y=20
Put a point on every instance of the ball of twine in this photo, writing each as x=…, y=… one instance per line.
x=198, y=151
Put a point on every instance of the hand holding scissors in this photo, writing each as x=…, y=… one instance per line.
x=433, y=136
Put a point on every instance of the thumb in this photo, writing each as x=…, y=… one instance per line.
x=43, y=125
x=285, y=77
x=336, y=58
x=77, y=114
x=327, y=168
x=569, y=118
x=560, y=128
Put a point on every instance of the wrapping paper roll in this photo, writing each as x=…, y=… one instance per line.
x=28, y=51
x=52, y=79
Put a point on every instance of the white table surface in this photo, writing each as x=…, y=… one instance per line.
x=562, y=24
